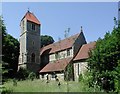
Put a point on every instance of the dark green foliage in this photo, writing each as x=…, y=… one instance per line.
x=104, y=62
x=69, y=72
x=14, y=82
x=4, y=71
x=32, y=76
x=46, y=40
x=10, y=51
x=6, y=91
x=80, y=77
x=22, y=74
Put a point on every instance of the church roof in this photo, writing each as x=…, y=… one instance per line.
x=58, y=65
x=31, y=17
x=84, y=51
x=61, y=45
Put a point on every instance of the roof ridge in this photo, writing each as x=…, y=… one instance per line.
x=35, y=16
x=61, y=40
x=66, y=38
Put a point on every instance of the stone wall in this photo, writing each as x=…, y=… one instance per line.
x=60, y=76
x=79, y=68
x=61, y=54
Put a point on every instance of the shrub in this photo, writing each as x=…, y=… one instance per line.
x=14, y=82
x=22, y=74
x=32, y=76
x=80, y=77
x=6, y=91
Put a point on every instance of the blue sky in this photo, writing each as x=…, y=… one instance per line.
x=96, y=18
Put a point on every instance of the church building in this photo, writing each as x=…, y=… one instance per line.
x=64, y=58
x=30, y=42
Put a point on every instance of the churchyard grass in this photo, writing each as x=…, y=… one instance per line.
x=38, y=85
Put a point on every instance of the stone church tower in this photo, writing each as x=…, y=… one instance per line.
x=30, y=43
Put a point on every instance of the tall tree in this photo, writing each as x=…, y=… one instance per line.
x=10, y=51
x=46, y=40
x=104, y=62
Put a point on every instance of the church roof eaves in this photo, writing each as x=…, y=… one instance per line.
x=58, y=65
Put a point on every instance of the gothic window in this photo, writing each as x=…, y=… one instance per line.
x=33, y=26
x=33, y=57
x=33, y=42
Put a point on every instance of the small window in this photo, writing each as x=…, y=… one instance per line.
x=42, y=75
x=57, y=55
x=68, y=52
x=33, y=26
x=33, y=57
x=54, y=75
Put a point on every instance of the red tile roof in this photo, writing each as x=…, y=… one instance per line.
x=43, y=49
x=57, y=65
x=61, y=45
x=84, y=50
x=31, y=17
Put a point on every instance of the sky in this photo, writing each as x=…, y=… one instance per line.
x=96, y=18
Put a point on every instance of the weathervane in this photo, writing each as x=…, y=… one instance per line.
x=81, y=29
x=28, y=9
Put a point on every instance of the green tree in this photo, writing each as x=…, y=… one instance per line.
x=10, y=51
x=104, y=62
x=46, y=40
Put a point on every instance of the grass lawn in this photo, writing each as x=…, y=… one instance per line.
x=41, y=86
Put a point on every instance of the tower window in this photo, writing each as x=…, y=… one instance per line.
x=33, y=43
x=33, y=26
x=33, y=57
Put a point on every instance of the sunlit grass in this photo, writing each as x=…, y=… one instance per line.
x=41, y=86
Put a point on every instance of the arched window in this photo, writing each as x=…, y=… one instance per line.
x=33, y=57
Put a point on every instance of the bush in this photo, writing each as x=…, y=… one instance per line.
x=104, y=64
x=22, y=74
x=32, y=76
x=80, y=77
x=6, y=91
x=14, y=82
